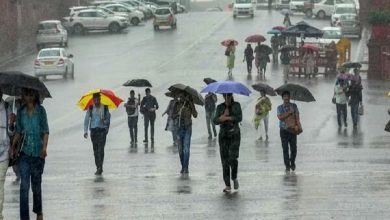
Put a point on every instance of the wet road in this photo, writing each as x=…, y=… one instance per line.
x=341, y=174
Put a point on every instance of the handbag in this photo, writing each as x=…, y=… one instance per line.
x=292, y=125
x=361, y=109
x=387, y=128
x=19, y=147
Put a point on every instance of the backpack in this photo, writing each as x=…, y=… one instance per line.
x=209, y=103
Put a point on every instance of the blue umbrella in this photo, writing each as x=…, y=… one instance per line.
x=222, y=87
x=274, y=31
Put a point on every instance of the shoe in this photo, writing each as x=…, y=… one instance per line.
x=287, y=169
x=260, y=138
x=266, y=137
x=293, y=167
x=236, y=185
x=186, y=171
x=98, y=172
x=227, y=189
x=146, y=141
x=345, y=124
x=182, y=171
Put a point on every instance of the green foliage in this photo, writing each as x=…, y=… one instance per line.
x=379, y=17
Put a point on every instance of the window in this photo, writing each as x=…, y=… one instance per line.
x=122, y=9
x=162, y=11
x=49, y=53
x=243, y=1
x=47, y=26
x=85, y=14
x=345, y=10
x=329, y=2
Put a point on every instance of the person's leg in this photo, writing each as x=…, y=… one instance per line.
x=338, y=109
x=186, y=145
x=146, y=125
x=135, y=129
x=130, y=124
x=234, y=150
x=180, y=142
x=3, y=172
x=208, y=122
x=25, y=172
x=344, y=112
x=284, y=140
x=354, y=113
x=266, y=119
x=95, y=144
x=293, y=149
x=36, y=182
x=249, y=64
x=152, y=120
x=224, y=152
x=102, y=146
x=213, y=126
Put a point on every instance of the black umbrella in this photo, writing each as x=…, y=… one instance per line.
x=297, y=92
x=12, y=83
x=209, y=80
x=264, y=87
x=170, y=94
x=352, y=65
x=302, y=29
x=265, y=49
x=138, y=83
x=196, y=96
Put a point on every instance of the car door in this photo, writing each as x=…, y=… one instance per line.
x=86, y=19
x=101, y=20
x=328, y=7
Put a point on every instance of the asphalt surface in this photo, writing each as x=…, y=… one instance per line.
x=341, y=174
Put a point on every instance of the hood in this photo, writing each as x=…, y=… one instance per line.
x=246, y=5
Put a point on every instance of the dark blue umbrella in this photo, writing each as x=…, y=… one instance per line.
x=223, y=87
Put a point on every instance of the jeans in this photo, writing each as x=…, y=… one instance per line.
x=229, y=147
x=98, y=137
x=249, y=65
x=355, y=113
x=184, y=140
x=288, y=139
x=3, y=172
x=30, y=168
x=341, y=112
x=149, y=118
x=133, y=127
x=286, y=70
x=209, y=121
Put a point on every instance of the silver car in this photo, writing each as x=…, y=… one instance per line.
x=54, y=61
x=51, y=32
x=350, y=25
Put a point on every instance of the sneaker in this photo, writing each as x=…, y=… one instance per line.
x=98, y=172
x=287, y=169
x=186, y=171
x=236, y=185
x=227, y=189
x=293, y=167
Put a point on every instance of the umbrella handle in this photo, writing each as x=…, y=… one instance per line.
x=13, y=105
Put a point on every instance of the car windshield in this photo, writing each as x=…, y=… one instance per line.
x=345, y=10
x=162, y=11
x=49, y=53
x=47, y=26
x=348, y=17
x=332, y=34
x=106, y=10
x=243, y=1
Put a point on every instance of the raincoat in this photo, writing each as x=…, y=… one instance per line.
x=262, y=109
x=231, y=57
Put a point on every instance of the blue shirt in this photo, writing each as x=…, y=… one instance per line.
x=96, y=118
x=33, y=128
x=283, y=109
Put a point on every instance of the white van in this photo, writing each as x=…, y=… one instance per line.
x=243, y=8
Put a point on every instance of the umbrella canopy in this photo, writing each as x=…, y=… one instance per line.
x=311, y=47
x=264, y=87
x=279, y=28
x=228, y=42
x=209, y=80
x=11, y=99
x=287, y=47
x=257, y=38
x=265, y=49
x=302, y=29
x=138, y=83
x=273, y=31
x=196, y=97
x=170, y=94
x=352, y=65
x=222, y=87
x=107, y=97
x=297, y=92
x=12, y=83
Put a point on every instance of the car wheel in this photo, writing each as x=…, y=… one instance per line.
x=321, y=15
x=135, y=21
x=309, y=13
x=78, y=29
x=114, y=28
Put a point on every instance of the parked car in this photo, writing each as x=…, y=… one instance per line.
x=341, y=9
x=160, y=3
x=243, y=7
x=330, y=34
x=350, y=25
x=297, y=5
x=148, y=13
x=54, y=61
x=282, y=4
x=152, y=6
x=164, y=17
x=51, y=32
x=95, y=19
x=134, y=16
x=101, y=3
x=323, y=8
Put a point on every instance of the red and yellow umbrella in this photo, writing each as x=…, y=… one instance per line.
x=107, y=97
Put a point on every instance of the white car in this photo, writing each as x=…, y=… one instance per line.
x=164, y=17
x=243, y=8
x=54, y=61
x=51, y=32
x=135, y=16
x=341, y=9
x=95, y=19
x=297, y=5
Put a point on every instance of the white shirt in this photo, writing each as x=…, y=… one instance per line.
x=341, y=97
x=136, y=103
x=4, y=138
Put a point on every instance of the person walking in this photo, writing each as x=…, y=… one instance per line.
x=12, y=125
x=149, y=106
x=228, y=115
x=275, y=48
x=97, y=120
x=355, y=95
x=248, y=57
x=32, y=131
x=132, y=116
x=310, y=61
x=210, y=103
x=262, y=109
x=286, y=20
x=285, y=58
x=183, y=113
x=288, y=139
x=170, y=126
x=230, y=52
x=341, y=101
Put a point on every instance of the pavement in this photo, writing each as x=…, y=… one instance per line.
x=341, y=174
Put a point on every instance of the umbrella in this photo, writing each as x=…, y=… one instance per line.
x=13, y=82
x=138, y=83
x=264, y=87
x=10, y=99
x=257, y=38
x=222, y=87
x=298, y=92
x=279, y=28
x=107, y=97
x=209, y=80
x=228, y=42
x=352, y=65
x=311, y=47
x=287, y=47
x=273, y=31
x=265, y=49
x=196, y=97
x=170, y=94
x=302, y=29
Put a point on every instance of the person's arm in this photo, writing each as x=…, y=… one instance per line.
x=155, y=103
x=44, y=126
x=215, y=98
x=218, y=114
x=283, y=116
x=87, y=122
x=236, y=114
x=193, y=110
